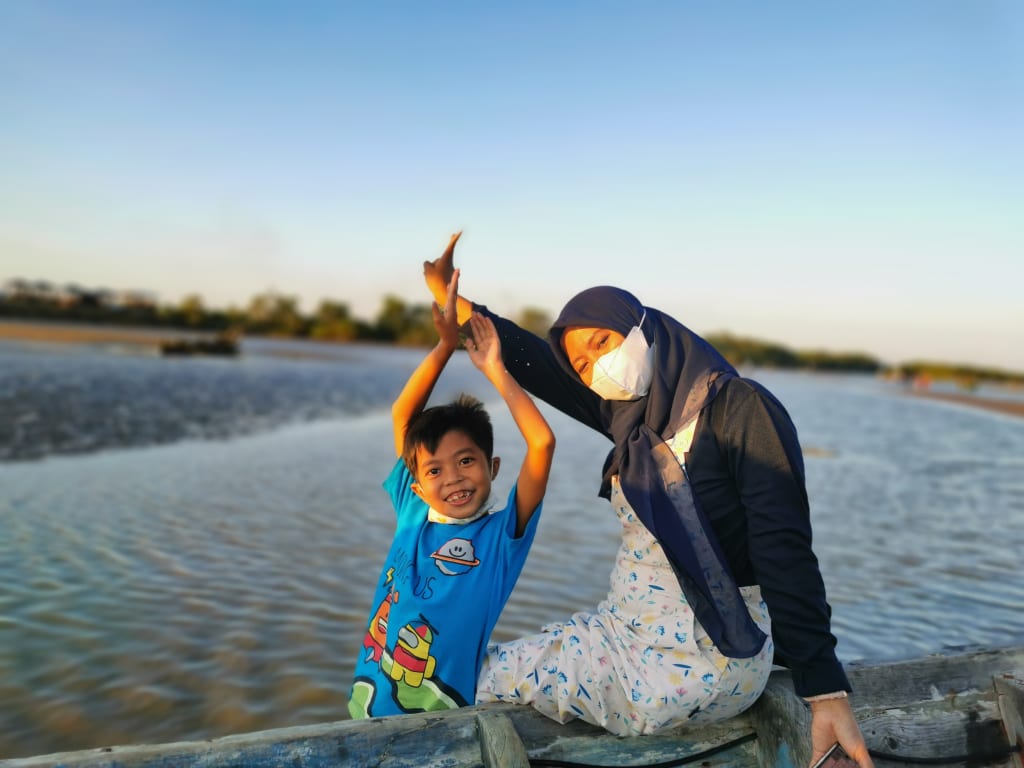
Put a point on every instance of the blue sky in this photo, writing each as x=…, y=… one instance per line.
x=825, y=175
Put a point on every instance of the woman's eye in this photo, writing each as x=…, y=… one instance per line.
x=602, y=342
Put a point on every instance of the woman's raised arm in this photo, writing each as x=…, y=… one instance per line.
x=527, y=356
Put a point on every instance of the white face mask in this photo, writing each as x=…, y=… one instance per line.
x=625, y=372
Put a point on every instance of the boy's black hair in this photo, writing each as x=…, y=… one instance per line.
x=465, y=414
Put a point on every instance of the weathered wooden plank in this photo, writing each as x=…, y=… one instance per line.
x=934, y=707
x=582, y=743
x=970, y=725
x=500, y=746
x=926, y=708
x=416, y=741
x=424, y=740
x=1010, y=695
x=931, y=677
x=782, y=721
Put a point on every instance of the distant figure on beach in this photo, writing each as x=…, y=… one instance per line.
x=455, y=558
x=715, y=577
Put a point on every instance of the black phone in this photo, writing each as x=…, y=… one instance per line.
x=836, y=757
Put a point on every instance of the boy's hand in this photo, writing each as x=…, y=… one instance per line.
x=484, y=347
x=446, y=320
x=438, y=273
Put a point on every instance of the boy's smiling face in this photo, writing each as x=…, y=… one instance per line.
x=455, y=480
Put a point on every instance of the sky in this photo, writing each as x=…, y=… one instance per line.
x=838, y=176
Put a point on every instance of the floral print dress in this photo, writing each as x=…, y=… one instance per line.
x=640, y=662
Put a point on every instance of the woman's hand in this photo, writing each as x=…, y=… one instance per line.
x=446, y=320
x=438, y=273
x=832, y=720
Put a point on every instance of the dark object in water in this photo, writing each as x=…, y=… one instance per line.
x=959, y=708
x=223, y=345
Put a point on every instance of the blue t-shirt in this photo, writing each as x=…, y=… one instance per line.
x=440, y=593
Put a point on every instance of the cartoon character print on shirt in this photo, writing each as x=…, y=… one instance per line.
x=377, y=630
x=408, y=663
x=409, y=660
x=455, y=557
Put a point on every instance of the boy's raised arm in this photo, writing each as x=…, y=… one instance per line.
x=416, y=392
x=485, y=351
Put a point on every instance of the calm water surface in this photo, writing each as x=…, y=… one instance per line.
x=190, y=546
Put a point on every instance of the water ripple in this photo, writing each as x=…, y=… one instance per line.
x=201, y=588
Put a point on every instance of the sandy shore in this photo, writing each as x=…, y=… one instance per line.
x=1009, y=407
x=70, y=333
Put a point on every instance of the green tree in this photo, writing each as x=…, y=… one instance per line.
x=419, y=328
x=192, y=310
x=275, y=314
x=333, y=322
x=536, y=321
x=398, y=322
x=743, y=351
x=819, y=360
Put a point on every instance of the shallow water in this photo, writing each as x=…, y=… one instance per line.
x=208, y=586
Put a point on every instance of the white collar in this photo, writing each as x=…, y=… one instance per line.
x=436, y=517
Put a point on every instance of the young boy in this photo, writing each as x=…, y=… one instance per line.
x=453, y=561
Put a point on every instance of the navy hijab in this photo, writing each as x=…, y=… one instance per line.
x=688, y=374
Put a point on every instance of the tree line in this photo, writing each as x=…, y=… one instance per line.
x=266, y=314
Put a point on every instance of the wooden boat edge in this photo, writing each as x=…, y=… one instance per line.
x=486, y=735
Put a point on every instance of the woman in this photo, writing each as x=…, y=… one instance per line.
x=715, y=576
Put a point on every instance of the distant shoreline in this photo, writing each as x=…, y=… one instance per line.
x=44, y=332
x=1007, y=407
x=73, y=333
x=70, y=333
